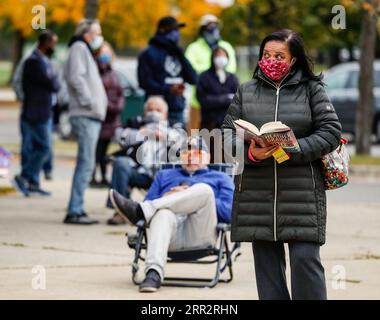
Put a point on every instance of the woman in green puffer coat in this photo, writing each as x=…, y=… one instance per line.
x=284, y=203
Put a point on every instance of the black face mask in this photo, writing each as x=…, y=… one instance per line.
x=49, y=52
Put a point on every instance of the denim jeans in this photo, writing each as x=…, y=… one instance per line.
x=125, y=176
x=35, y=148
x=48, y=165
x=27, y=147
x=87, y=132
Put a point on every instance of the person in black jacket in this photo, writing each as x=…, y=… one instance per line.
x=283, y=203
x=215, y=89
x=40, y=83
x=163, y=68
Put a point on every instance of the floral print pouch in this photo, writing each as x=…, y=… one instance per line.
x=335, y=167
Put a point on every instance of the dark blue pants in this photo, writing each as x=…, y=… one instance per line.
x=125, y=176
x=36, y=145
x=307, y=273
x=27, y=146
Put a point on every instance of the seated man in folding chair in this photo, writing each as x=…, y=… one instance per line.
x=182, y=209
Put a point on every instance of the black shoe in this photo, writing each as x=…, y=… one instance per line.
x=36, y=190
x=130, y=210
x=151, y=283
x=21, y=185
x=82, y=218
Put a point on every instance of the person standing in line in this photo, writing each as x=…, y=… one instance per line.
x=115, y=97
x=199, y=54
x=39, y=86
x=87, y=109
x=278, y=203
x=215, y=89
x=163, y=69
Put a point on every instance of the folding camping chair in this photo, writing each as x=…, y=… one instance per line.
x=220, y=253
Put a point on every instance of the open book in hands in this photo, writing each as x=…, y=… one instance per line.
x=270, y=134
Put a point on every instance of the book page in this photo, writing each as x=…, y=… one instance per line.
x=274, y=126
x=247, y=126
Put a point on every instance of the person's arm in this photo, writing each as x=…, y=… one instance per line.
x=145, y=73
x=189, y=74
x=232, y=65
x=35, y=71
x=326, y=126
x=76, y=73
x=130, y=137
x=154, y=191
x=224, y=199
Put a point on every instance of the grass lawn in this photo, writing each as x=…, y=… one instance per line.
x=365, y=160
x=5, y=72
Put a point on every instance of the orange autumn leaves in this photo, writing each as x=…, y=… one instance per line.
x=125, y=22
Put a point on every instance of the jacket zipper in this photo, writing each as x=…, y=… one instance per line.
x=278, y=88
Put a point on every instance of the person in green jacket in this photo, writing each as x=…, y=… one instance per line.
x=199, y=54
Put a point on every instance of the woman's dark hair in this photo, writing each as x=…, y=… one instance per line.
x=296, y=49
x=214, y=52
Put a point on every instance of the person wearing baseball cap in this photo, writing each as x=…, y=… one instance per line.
x=163, y=68
x=199, y=54
x=175, y=220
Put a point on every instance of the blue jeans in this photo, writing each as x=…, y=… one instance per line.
x=48, y=165
x=125, y=176
x=35, y=148
x=87, y=133
x=27, y=147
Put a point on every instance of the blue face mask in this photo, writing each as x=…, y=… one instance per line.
x=173, y=36
x=212, y=36
x=105, y=58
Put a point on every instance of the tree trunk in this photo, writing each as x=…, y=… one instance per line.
x=18, y=46
x=91, y=9
x=364, y=111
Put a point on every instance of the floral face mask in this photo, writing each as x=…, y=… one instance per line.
x=274, y=69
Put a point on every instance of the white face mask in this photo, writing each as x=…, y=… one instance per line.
x=220, y=62
x=96, y=43
x=154, y=116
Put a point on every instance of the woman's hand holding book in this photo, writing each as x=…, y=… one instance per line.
x=259, y=153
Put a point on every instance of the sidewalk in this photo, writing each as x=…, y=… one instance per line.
x=94, y=262
x=8, y=98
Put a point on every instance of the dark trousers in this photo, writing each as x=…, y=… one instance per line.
x=35, y=148
x=307, y=273
x=27, y=146
x=125, y=177
x=101, y=152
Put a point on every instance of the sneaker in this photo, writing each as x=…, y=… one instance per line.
x=82, y=219
x=128, y=209
x=116, y=220
x=36, y=190
x=151, y=283
x=21, y=185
